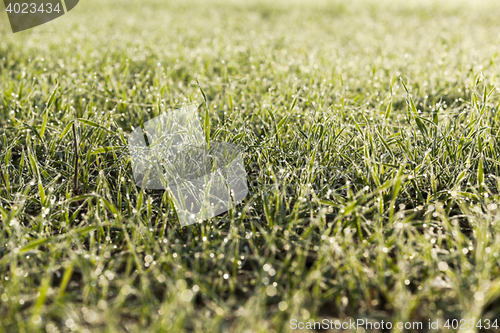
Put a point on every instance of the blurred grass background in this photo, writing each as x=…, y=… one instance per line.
x=370, y=131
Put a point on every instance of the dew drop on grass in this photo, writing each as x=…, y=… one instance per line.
x=271, y=290
x=443, y=266
x=282, y=306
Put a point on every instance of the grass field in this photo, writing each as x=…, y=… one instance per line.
x=370, y=137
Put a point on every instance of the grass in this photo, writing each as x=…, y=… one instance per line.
x=370, y=133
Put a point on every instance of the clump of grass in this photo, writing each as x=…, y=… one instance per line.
x=371, y=143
